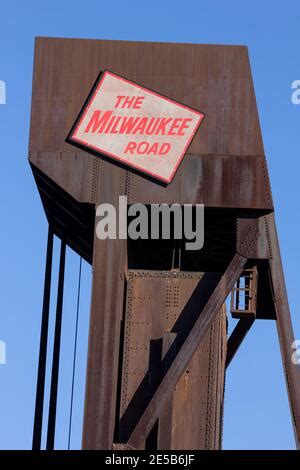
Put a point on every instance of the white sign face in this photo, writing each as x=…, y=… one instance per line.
x=136, y=126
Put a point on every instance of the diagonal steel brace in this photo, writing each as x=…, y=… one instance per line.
x=197, y=333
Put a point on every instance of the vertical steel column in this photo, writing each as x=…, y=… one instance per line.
x=109, y=266
x=40, y=388
x=56, y=350
x=285, y=329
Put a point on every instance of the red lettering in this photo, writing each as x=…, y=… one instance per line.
x=164, y=149
x=128, y=124
x=114, y=129
x=161, y=128
x=133, y=102
x=138, y=102
x=183, y=126
x=109, y=125
x=143, y=148
x=98, y=123
x=105, y=121
x=119, y=99
x=140, y=128
x=174, y=126
x=130, y=147
x=128, y=102
x=151, y=126
x=153, y=149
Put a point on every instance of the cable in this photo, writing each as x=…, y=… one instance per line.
x=75, y=351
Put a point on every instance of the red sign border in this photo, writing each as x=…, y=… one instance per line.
x=71, y=138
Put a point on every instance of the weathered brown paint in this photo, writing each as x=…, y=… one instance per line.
x=185, y=354
x=109, y=265
x=178, y=297
x=215, y=79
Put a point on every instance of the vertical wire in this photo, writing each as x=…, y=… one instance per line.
x=75, y=351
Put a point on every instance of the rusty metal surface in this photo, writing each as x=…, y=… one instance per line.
x=161, y=307
x=109, y=265
x=216, y=181
x=257, y=246
x=225, y=165
x=185, y=354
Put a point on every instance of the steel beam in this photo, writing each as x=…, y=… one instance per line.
x=284, y=328
x=236, y=338
x=109, y=266
x=56, y=350
x=197, y=333
x=40, y=388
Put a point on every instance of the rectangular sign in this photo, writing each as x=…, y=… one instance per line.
x=136, y=126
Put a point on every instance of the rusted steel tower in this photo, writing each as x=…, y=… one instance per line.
x=158, y=346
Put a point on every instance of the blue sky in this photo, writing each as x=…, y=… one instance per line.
x=256, y=410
